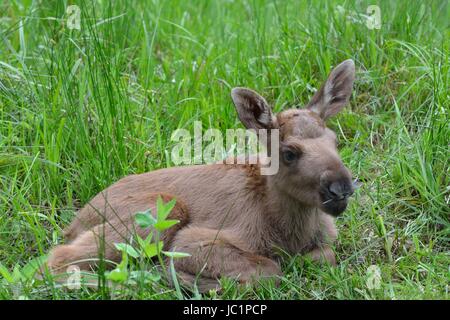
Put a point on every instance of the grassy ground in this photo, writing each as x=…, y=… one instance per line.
x=81, y=108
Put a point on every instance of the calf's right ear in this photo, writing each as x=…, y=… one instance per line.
x=335, y=92
x=253, y=110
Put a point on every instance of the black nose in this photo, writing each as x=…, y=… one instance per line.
x=339, y=190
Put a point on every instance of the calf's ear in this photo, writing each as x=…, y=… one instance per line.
x=335, y=92
x=253, y=110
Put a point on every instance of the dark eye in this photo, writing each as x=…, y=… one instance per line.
x=289, y=156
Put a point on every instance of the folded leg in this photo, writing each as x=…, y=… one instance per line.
x=218, y=254
x=99, y=241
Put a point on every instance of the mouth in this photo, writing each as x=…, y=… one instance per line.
x=335, y=203
x=335, y=207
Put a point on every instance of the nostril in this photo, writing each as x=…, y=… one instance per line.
x=335, y=190
x=339, y=190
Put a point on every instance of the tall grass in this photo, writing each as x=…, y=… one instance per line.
x=81, y=108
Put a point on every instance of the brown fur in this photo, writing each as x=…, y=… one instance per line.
x=234, y=221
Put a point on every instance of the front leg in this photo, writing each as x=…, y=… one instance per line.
x=323, y=255
x=323, y=252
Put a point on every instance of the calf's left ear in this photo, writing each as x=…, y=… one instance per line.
x=335, y=92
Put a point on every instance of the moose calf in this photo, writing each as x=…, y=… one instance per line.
x=233, y=220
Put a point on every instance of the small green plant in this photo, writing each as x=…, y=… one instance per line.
x=147, y=248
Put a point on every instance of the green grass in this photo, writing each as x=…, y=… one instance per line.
x=81, y=109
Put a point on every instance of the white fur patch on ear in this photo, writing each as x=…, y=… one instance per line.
x=265, y=117
x=336, y=91
x=340, y=80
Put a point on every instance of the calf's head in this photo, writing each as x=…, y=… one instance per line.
x=310, y=170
